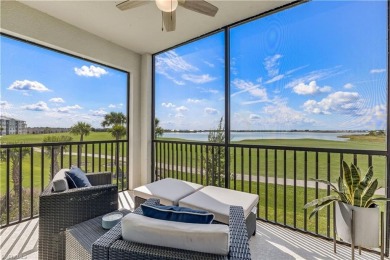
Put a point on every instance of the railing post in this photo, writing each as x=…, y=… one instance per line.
x=227, y=107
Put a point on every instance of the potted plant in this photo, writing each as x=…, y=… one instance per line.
x=353, y=193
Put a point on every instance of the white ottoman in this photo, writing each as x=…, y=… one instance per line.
x=217, y=200
x=168, y=190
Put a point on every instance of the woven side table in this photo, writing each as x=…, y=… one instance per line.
x=79, y=238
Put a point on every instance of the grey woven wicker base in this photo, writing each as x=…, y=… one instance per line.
x=80, y=237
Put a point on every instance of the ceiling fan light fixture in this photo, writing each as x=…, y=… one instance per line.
x=167, y=5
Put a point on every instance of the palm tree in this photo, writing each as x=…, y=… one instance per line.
x=114, y=118
x=53, y=151
x=15, y=156
x=118, y=131
x=158, y=130
x=82, y=129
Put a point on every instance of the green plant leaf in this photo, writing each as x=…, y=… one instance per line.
x=325, y=182
x=322, y=205
x=355, y=177
x=368, y=203
x=369, y=192
x=362, y=186
x=342, y=193
x=364, y=183
x=319, y=201
x=381, y=198
x=347, y=177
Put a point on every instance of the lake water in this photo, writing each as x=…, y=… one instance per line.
x=238, y=136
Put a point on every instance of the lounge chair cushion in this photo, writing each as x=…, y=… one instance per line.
x=77, y=178
x=213, y=238
x=217, y=200
x=168, y=190
x=178, y=214
x=59, y=181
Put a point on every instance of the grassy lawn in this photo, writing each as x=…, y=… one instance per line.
x=296, y=164
x=252, y=162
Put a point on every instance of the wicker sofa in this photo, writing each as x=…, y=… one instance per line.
x=111, y=246
x=59, y=210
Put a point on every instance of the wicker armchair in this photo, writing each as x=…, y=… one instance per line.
x=111, y=246
x=60, y=210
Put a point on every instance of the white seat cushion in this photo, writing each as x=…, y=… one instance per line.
x=207, y=238
x=217, y=200
x=168, y=190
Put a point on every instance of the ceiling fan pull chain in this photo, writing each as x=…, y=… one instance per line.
x=171, y=10
x=162, y=21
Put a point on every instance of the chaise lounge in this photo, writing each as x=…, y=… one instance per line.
x=210, y=198
x=113, y=246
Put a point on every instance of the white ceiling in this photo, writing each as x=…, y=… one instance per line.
x=140, y=29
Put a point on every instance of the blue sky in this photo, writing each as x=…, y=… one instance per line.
x=319, y=66
x=46, y=88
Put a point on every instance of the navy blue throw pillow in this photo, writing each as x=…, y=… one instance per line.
x=76, y=178
x=178, y=214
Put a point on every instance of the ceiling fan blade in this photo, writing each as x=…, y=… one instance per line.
x=129, y=4
x=169, y=19
x=199, y=6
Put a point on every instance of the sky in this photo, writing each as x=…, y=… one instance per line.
x=319, y=66
x=49, y=89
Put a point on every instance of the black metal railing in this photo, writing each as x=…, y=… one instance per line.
x=280, y=175
x=26, y=169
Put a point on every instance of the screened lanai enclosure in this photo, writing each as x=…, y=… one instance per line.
x=264, y=98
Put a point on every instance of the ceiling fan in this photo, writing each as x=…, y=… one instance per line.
x=168, y=9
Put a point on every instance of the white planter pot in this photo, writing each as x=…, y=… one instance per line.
x=366, y=224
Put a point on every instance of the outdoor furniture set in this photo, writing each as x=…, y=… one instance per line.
x=71, y=221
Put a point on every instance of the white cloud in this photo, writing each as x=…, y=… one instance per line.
x=276, y=115
x=254, y=90
x=99, y=112
x=254, y=117
x=310, y=89
x=91, y=71
x=211, y=65
x=5, y=104
x=57, y=100
x=274, y=79
x=179, y=115
x=181, y=109
x=193, y=101
x=315, y=75
x=211, y=111
x=373, y=71
x=170, y=62
x=348, y=86
x=370, y=118
x=67, y=109
x=28, y=85
x=174, y=62
x=40, y=106
x=338, y=102
x=271, y=64
x=198, y=79
x=208, y=90
x=115, y=105
x=168, y=105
